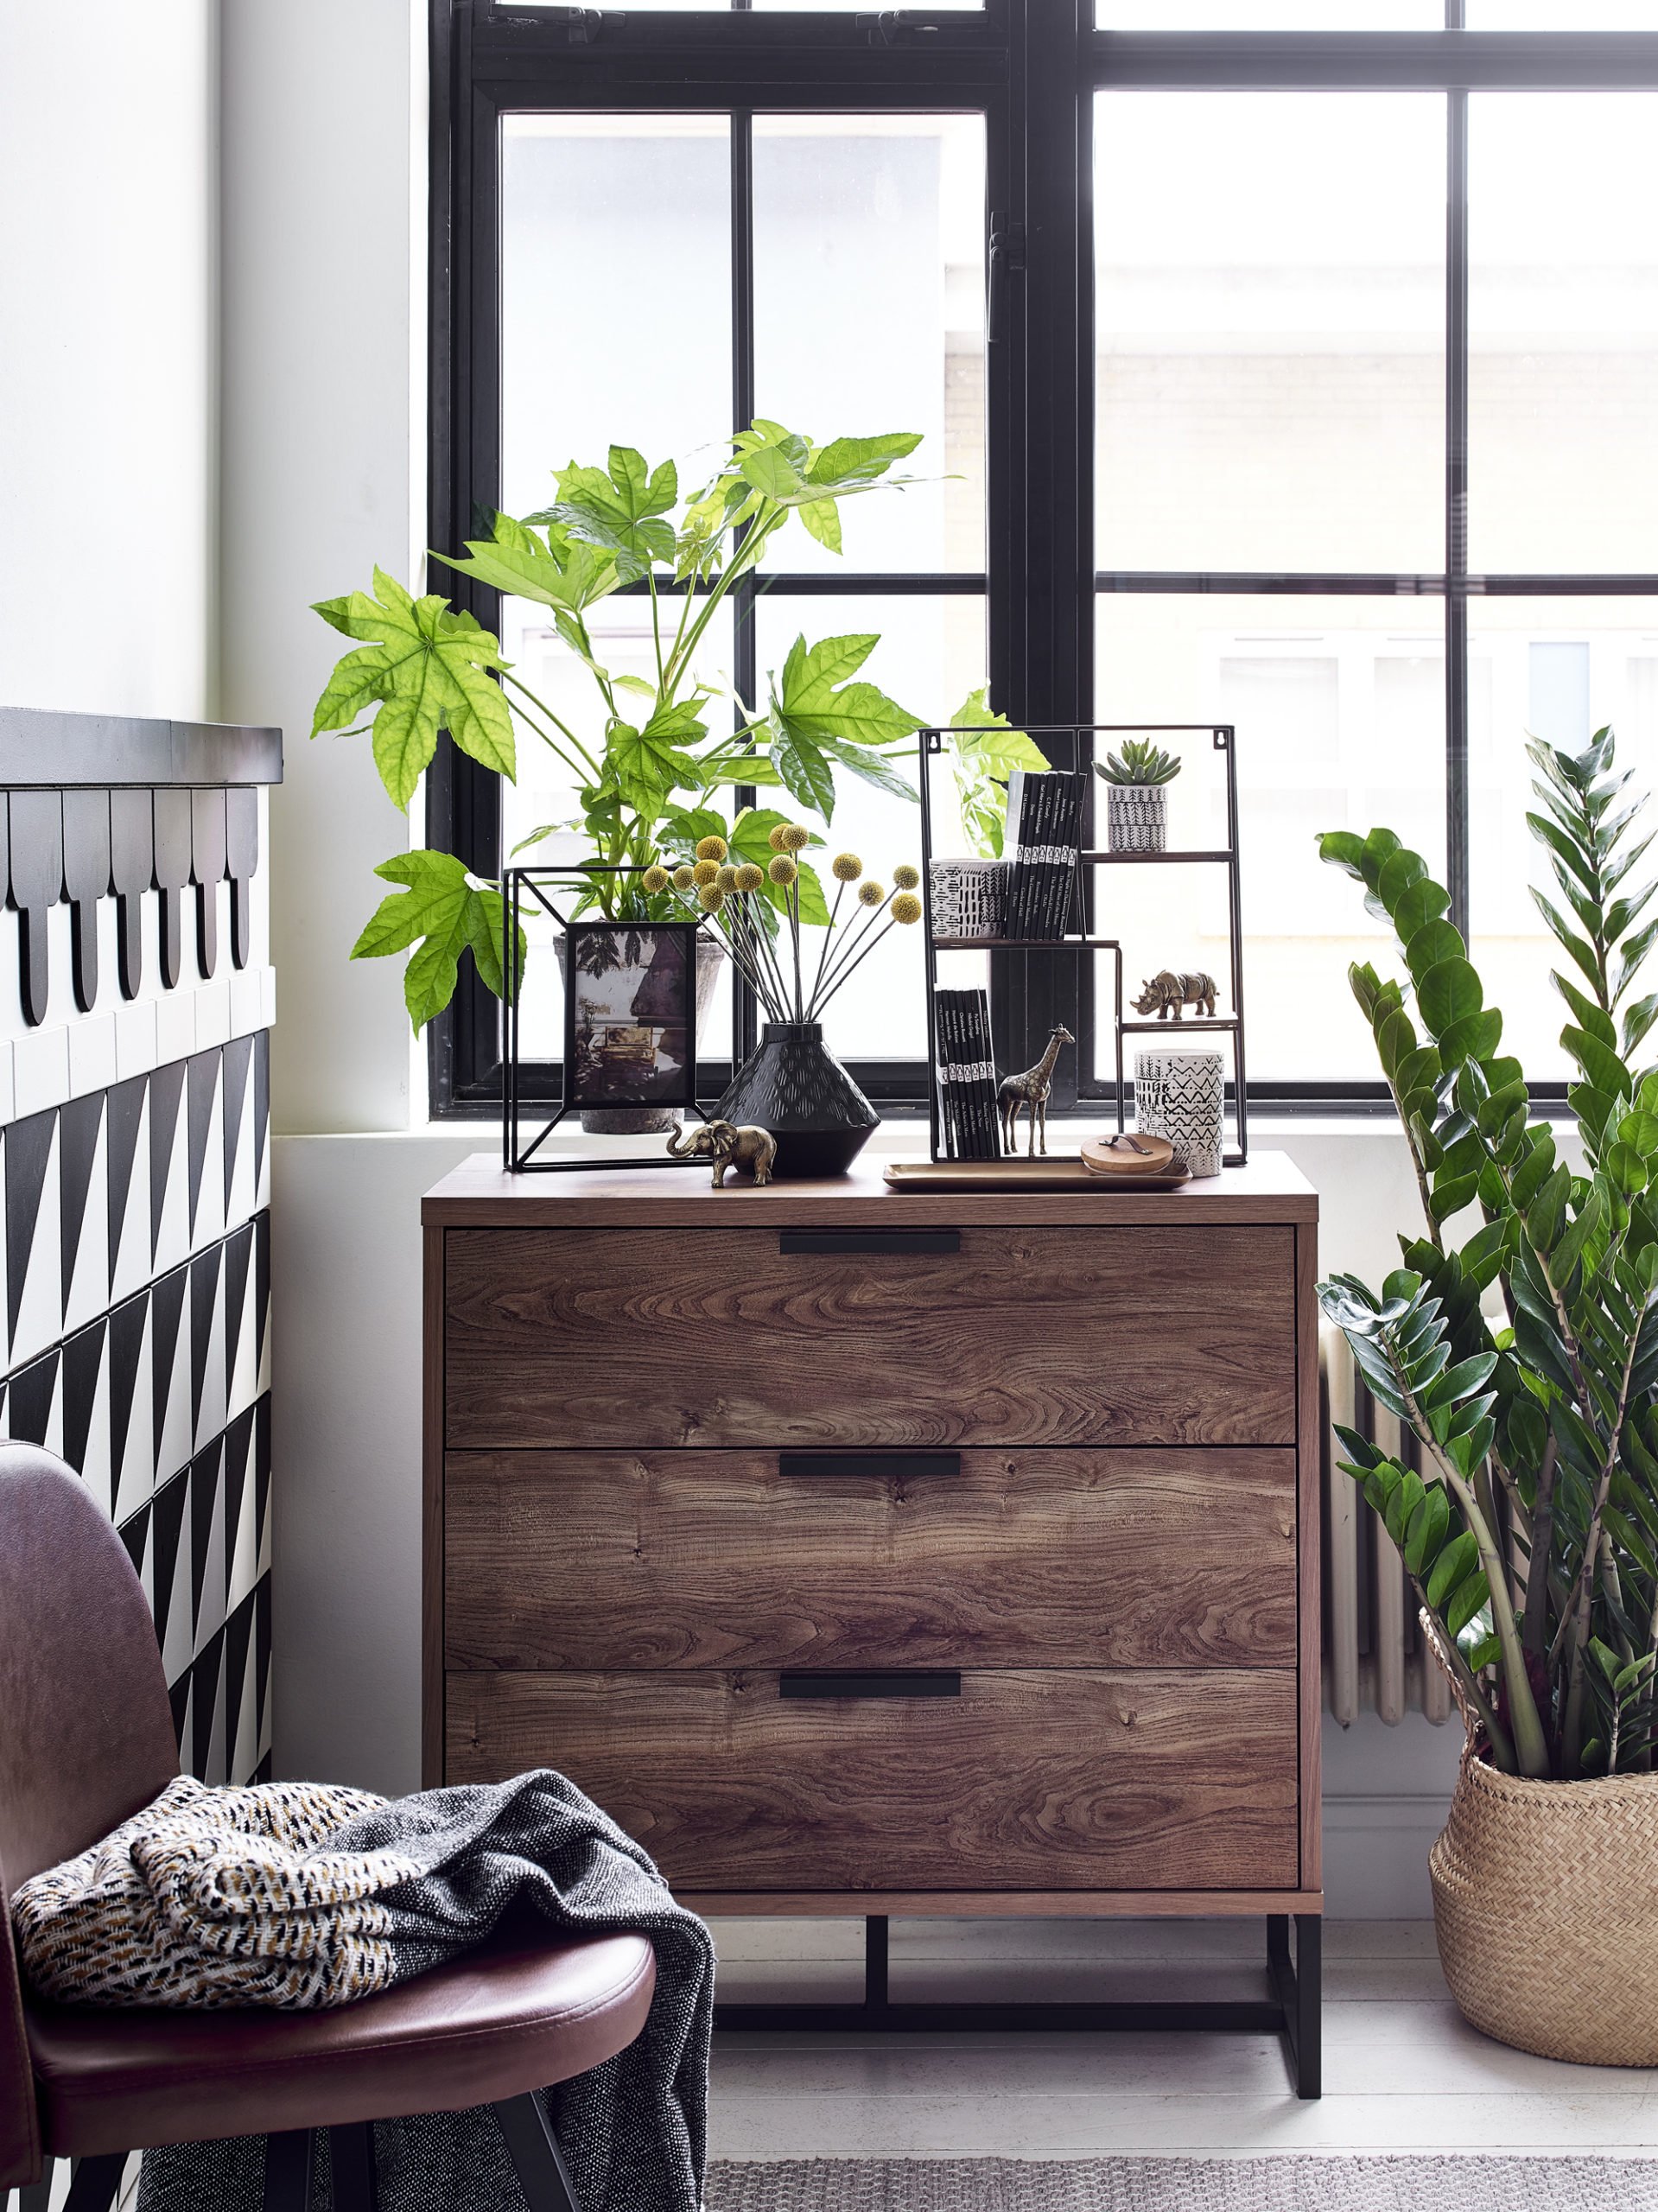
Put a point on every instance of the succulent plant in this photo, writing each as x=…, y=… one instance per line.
x=1141, y=763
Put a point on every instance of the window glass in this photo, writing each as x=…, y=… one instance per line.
x=869, y=316
x=1339, y=707
x=1563, y=333
x=1271, y=354
x=1560, y=670
x=1562, y=14
x=930, y=656
x=615, y=293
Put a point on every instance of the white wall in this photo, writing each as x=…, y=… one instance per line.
x=324, y=343
x=108, y=336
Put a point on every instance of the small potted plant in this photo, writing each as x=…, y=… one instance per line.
x=1521, y=1358
x=1137, y=807
x=969, y=893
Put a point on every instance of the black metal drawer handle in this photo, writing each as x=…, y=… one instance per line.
x=869, y=1240
x=881, y=1466
x=911, y=1681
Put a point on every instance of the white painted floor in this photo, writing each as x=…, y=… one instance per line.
x=1403, y=2072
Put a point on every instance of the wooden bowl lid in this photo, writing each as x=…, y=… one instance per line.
x=1132, y=1154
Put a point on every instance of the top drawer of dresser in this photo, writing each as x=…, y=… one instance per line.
x=625, y=1337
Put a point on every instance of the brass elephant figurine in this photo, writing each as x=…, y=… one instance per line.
x=728, y=1146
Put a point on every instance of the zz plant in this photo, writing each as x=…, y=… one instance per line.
x=1522, y=1355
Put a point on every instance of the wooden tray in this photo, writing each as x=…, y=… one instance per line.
x=1061, y=1173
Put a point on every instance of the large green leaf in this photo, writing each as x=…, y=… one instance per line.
x=1449, y=992
x=556, y=570
x=619, y=509
x=428, y=668
x=817, y=717
x=442, y=913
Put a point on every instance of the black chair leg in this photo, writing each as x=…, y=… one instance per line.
x=36, y=2195
x=95, y=2183
x=287, y=2171
x=536, y=2159
x=350, y=2158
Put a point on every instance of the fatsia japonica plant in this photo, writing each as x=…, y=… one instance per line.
x=1522, y=1357
x=647, y=760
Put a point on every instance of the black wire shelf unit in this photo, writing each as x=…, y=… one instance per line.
x=1078, y=939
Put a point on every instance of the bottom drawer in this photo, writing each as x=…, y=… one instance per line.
x=1025, y=1780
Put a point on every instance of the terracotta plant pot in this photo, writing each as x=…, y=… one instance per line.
x=1546, y=1908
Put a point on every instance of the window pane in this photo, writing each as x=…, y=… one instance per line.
x=1271, y=390
x=615, y=229
x=1269, y=15
x=869, y=316
x=1560, y=670
x=930, y=656
x=1563, y=329
x=545, y=792
x=1339, y=705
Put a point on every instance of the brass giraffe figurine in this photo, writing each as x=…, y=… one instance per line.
x=1030, y=1091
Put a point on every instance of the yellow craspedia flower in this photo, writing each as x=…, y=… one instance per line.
x=726, y=878
x=683, y=879
x=704, y=873
x=846, y=868
x=656, y=879
x=906, y=907
x=750, y=878
x=906, y=877
x=796, y=836
x=711, y=898
x=782, y=870
x=775, y=840
x=711, y=848
x=871, y=893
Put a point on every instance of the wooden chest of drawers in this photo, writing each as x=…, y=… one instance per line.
x=871, y=1554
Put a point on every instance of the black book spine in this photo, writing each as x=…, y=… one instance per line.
x=1061, y=874
x=985, y=1086
x=1020, y=794
x=943, y=1045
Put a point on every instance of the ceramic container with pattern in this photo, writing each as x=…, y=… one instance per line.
x=969, y=897
x=1136, y=818
x=794, y=1086
x=1182, y=1096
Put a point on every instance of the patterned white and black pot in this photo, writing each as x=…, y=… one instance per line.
x=1182, y=1096
x=794, y=1086
x=969, y=897
x=1136, y=818
x=649, y=1121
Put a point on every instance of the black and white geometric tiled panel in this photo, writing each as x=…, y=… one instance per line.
x=135, y=1343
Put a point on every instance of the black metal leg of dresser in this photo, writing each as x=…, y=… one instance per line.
x=874, y=1962
x=1298, y=1986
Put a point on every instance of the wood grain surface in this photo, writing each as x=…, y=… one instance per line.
x=1054, y=1781
x=715, y=1560
x=640, y=1337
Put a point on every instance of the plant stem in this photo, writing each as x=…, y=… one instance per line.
x=828, y=935
x=849, y=970
x=563, y=728
x=1534, y=1625
x=1572, y=1726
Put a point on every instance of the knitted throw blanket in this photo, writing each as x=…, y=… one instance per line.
x=301, y=1894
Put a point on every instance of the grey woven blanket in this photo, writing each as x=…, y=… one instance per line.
x=270, y=1896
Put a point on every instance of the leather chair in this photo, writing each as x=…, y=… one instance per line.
x=85, y=1739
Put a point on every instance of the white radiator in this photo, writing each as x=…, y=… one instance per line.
x=1375, y=1660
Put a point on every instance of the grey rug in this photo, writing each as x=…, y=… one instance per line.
x=1289, y=2184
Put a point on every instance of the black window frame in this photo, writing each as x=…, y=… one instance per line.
x=1033, y=68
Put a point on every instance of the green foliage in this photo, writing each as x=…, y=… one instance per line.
x=443, y=912
x=1524, y=1358
x=1140, y=763
x=984, y=753
x=651, y=750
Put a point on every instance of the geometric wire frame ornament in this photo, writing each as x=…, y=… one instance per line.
x=517, y=1157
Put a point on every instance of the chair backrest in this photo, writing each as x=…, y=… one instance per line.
x=86, y=1725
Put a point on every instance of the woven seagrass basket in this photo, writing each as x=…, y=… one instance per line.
x=1546, y=1908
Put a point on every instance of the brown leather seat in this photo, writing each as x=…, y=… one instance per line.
x=86, y=1738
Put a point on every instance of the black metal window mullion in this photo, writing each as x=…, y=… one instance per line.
x=745, y=670
x=1456, y=499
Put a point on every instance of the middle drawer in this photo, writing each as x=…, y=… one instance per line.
x=1072, y=1558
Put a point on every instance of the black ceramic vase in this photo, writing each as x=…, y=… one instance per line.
x=794, y=1086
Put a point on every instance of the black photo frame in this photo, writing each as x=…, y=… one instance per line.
x=630, y=1013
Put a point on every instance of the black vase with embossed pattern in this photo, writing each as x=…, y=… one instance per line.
x=794, y=1086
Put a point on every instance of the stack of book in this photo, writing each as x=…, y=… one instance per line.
x=967, y=1076
x=1045, y=819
